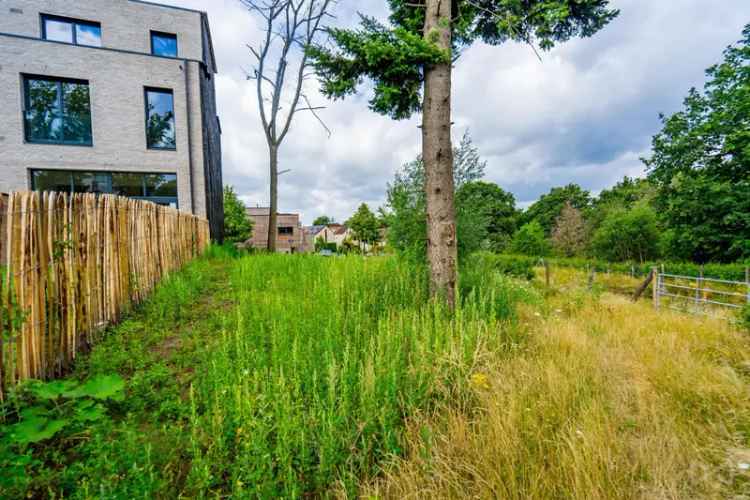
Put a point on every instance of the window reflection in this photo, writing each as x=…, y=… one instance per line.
x=160, y=133
x=57, y=111
x=62, y=29
x=163, y=44
x=158, y=188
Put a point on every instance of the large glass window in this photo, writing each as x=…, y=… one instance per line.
x=160, y=133
x=158, y=188
x=57, y=111
x=63, y=29
x=163, y=44
x=51, y=180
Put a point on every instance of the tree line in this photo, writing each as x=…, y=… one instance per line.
x=693, y=204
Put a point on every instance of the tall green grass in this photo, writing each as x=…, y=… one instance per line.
x=265, y=376
x=311, y=390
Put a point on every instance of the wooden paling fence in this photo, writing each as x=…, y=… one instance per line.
x=73, y=264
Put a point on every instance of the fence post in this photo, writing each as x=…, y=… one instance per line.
x=656, y=285
x=747, y=282
x=592, y=274
x=546, y=272
x=699, y=287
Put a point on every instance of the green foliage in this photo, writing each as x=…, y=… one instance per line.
x=406, y=215
x=303, y=393
x=37, y=412
x=548, y=208
x=701, y=164
x=622, y=196
x=745, y=317
x=238, y=227
x=531, y=240
x=365, y=225
x=239, y=385
x=393, y=58
x=495, y=210
x=508, y=265
x=86, y=452
x=707, y=219
x=732, y=272
x=628, y=235
x=323, y=220
x=321, y=245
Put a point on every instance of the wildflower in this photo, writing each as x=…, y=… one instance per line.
x=480, y=381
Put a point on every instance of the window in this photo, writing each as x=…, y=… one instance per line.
x=158, y=188
x=160, y=132
x=63, y=29
x=163, y=44
x=57, y=111
x=286, y=230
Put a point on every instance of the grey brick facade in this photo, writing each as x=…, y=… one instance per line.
x=117, y=73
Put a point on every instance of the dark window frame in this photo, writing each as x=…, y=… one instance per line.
x=165, y=200
x=285, y=232
x=164, y=34
x=25, y=77
x=74, y=23
x=159, y=90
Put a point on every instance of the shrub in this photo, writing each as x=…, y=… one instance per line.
x=237, y=225
x=530, y=240
x=628, y=235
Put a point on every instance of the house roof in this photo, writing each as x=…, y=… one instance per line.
x=261, y=211
x=340, y=230
x=314, y=229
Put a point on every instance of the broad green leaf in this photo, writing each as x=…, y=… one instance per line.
x=102, y=387
x=36, y=429
x=90, y=413
x=52, y=390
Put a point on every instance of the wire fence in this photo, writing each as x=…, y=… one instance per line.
x=72, y=264
x=700, y=294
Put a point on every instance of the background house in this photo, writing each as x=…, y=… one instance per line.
x=290, y=236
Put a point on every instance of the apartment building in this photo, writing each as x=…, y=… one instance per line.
x=290, y=237
x=110, y=96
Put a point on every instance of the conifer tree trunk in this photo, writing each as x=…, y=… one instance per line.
x=274, y=208
x=437, y=152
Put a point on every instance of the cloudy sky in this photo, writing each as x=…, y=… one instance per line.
x=584, y=114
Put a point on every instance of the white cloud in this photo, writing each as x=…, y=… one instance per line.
x=585, y=114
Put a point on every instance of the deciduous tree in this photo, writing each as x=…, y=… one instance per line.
x=365, y=226
x=628, y=235
x=323, y=220
x=406, y=214
x=279, y=72
x=701, y=164
x=531, y=240
x=411, y=63
x=569, y=236
x=494, y=212
x=547, y=209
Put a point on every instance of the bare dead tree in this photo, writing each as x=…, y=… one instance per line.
x=280, y=71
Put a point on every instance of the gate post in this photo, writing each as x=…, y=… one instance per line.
x=656, y=285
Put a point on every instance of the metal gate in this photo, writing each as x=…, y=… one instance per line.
x=700, y=295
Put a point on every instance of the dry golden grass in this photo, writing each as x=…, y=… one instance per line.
x=609, y=400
